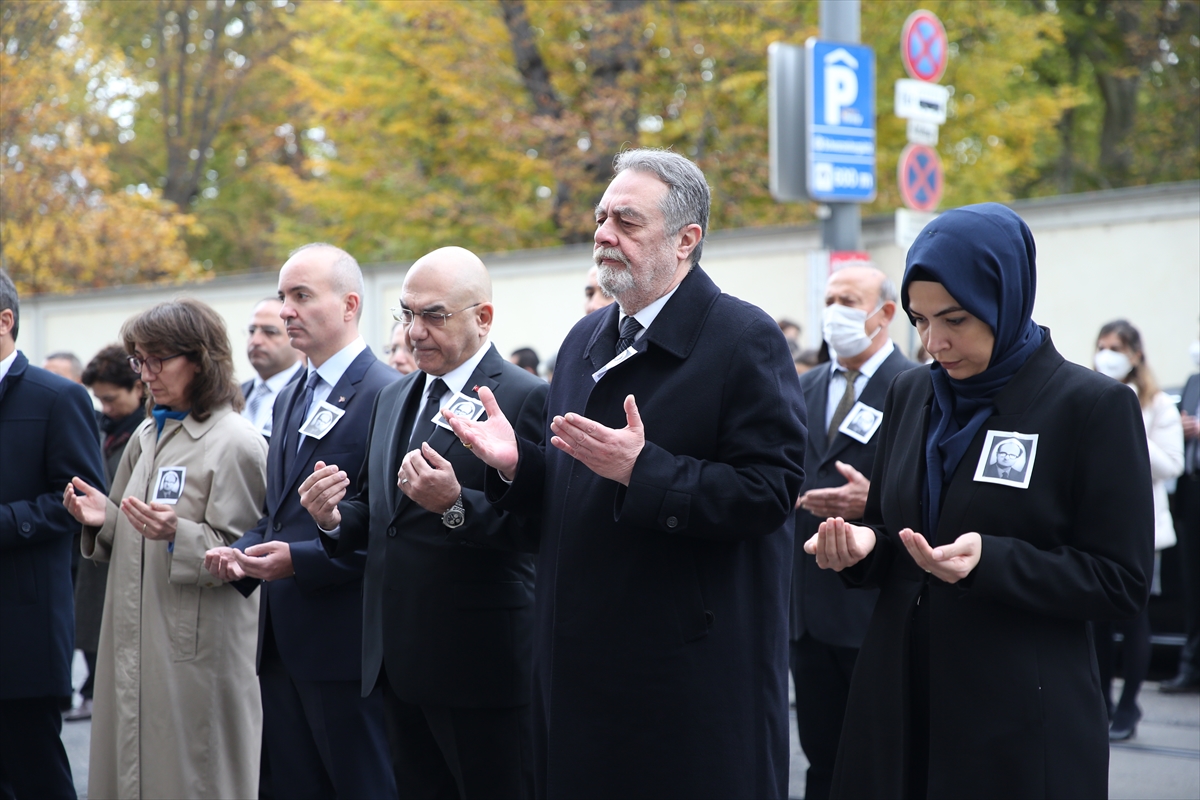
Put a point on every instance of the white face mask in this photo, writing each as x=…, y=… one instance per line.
x=845, y=330
x=1113, y=364
x=1194, y=352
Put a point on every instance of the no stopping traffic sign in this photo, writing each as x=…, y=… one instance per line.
x=919, y=175
x=923, y=46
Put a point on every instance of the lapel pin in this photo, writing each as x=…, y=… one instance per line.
x=341, y=399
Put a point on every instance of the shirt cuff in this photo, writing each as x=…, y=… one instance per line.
x=333, y=534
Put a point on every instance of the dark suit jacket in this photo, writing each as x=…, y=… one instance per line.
x=316, y=615
x=451, y=620
x=822, y=606
x=1188, y=401
x=1015, y=702
x=662, y=607
x=47, y=436
x=993, y=471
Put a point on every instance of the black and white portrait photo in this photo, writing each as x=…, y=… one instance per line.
x=322, y=419
x=1007, y=458
x=862, y=422
x=460, y=406
x=168, y=488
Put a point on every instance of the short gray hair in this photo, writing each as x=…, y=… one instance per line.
x=10, y=301
x=887, y=291
x=688, y=197
x=347, y=275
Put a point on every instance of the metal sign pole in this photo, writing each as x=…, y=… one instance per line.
x=843, y=229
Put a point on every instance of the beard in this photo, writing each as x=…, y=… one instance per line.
x=614, y=282
x=635, y=288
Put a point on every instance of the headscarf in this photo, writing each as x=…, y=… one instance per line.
x=985, y=258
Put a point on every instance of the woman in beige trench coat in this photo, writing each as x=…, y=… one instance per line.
x=176, y=711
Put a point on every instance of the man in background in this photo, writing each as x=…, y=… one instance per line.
x=65, y=364
x=829, y=621
x=398, y=352
x=526, y=358
x=594, y=297
x=47, y=436
x=1187, y=527
x=273, y=358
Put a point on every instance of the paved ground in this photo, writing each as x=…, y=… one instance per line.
x=1162, y=761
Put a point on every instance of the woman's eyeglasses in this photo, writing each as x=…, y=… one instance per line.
x=153, y=364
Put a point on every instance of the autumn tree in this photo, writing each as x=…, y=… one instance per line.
x=1135, y=67
x=61, y=225
x=203, y=112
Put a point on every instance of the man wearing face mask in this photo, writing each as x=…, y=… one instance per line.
x=829, y=621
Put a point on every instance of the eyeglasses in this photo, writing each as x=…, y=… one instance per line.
x=389, y=349
x=432, y=319
x=153, y=364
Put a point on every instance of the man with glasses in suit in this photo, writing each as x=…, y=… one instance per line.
x=448, y=623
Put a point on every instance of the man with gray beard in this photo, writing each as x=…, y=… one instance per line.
x=670, y=456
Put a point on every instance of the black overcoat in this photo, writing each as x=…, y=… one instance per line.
x=1015, y=703
x=661, y=650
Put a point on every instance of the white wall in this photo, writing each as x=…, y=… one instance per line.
x=1131, y=253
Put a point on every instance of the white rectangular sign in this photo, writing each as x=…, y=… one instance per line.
x=921, y=101
x=909, y=224
x=921, y=132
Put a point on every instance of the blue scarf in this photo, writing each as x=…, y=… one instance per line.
x=985, y=258
x=163, y=413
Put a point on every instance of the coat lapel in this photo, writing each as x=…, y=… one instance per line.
x=815, y=399
x=339, y=396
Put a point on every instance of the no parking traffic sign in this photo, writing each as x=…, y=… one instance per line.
x=923, y=46
x=919, y=174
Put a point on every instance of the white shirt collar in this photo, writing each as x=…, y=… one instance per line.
x=867, y=370
x=647, y=315
x=336, y=365
x=457, y=378
x=7, y=363
x=279, y=379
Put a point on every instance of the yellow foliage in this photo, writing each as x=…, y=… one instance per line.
x=62, y=228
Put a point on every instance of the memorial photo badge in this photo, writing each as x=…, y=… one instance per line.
x=321, y=420
x=862, y=422
x=460, y=406
x=1007, y=458
x=168, y=487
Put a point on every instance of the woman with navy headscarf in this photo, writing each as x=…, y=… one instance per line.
x=976, y=677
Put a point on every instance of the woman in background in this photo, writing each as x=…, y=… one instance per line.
x=1119, y=355
x=177, y=711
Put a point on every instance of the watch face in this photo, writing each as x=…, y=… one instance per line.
x=452, y=518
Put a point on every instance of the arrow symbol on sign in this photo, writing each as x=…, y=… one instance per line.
x=841, y=55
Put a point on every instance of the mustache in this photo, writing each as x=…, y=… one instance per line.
x=610, y=254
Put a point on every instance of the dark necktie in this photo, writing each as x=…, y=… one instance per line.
x=424, y=426
x=296, y=418
x=845, y=404
x=629, y=332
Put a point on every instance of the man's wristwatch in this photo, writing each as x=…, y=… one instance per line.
x=453, y=517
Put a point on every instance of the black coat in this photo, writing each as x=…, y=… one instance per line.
x=1015, y=702
x=822, y=606
x=661, y=652
x=316, y=614
x=450, y=620
x=47, y=436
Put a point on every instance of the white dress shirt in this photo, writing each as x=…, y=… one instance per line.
x=269, y=389
x=7, y=363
